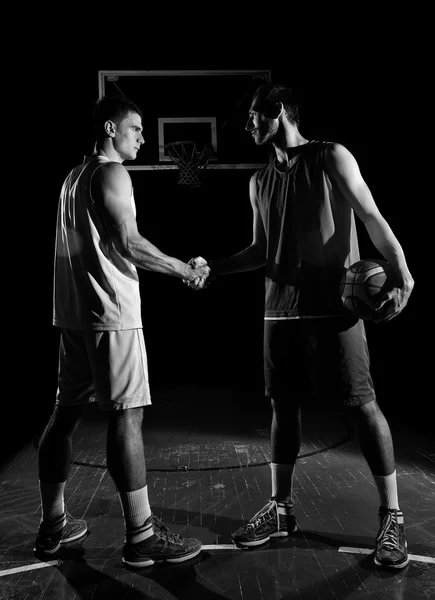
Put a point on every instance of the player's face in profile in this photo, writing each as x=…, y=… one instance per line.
x=128, y=137
x=261, y=126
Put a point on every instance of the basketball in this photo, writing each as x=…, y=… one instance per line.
x=363, y=285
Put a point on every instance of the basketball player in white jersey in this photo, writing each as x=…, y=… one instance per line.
x=303, y=204
x=102, y=351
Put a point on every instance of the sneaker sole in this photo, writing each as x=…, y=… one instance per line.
x=387, y=566
x=150, y=561
x=264, y=540
x=69, y=539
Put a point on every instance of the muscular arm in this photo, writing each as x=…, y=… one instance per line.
x=111, y=190
x=252, y=257
x=344, y=170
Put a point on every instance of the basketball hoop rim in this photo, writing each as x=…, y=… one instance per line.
x=200, y=154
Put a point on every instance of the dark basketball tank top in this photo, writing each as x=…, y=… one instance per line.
x=311, y=236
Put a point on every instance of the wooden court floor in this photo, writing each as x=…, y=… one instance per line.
x=207, y=454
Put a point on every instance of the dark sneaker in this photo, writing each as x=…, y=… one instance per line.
x=276, y=519
x=162, y=546
x=48, y=542
x=391, y=547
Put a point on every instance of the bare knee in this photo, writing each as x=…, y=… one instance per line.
x=65, y=419
x=369, y=408
x=128, y=420
x=285, y=408
x=369, y=412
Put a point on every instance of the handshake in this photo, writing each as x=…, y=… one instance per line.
x=198, y=264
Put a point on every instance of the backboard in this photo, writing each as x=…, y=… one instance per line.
x=205, y=106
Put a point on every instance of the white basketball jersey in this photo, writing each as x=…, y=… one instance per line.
x=94, y=286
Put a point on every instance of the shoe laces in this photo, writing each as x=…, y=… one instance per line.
x=261, y=517
x=162, y=531
x=388, y=535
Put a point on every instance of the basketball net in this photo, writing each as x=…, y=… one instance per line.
x=190, y=160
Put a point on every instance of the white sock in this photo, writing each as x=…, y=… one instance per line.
x=53, y=506
x=282, y=482
x=136, y=510
x=387, y=488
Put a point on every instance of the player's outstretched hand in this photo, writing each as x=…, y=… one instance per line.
x=201, y=279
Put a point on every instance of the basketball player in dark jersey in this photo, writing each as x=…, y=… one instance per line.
x=303, y=204
x=102, y=354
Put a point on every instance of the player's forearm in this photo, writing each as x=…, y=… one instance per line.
x=247, y=260
x=144, y=255
x=386, y=242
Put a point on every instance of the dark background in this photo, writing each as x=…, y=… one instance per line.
x=369, y=97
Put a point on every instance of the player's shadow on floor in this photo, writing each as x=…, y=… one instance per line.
x=180, y=580
x=185, y=581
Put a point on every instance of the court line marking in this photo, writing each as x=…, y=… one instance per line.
x=32, y=567
x=233, y=547
x=221, y=547
x=416, y=557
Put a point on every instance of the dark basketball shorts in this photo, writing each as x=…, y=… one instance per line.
x=326, y=357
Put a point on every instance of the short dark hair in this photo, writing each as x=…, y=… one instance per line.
x=112, y=108
x=269, y=94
